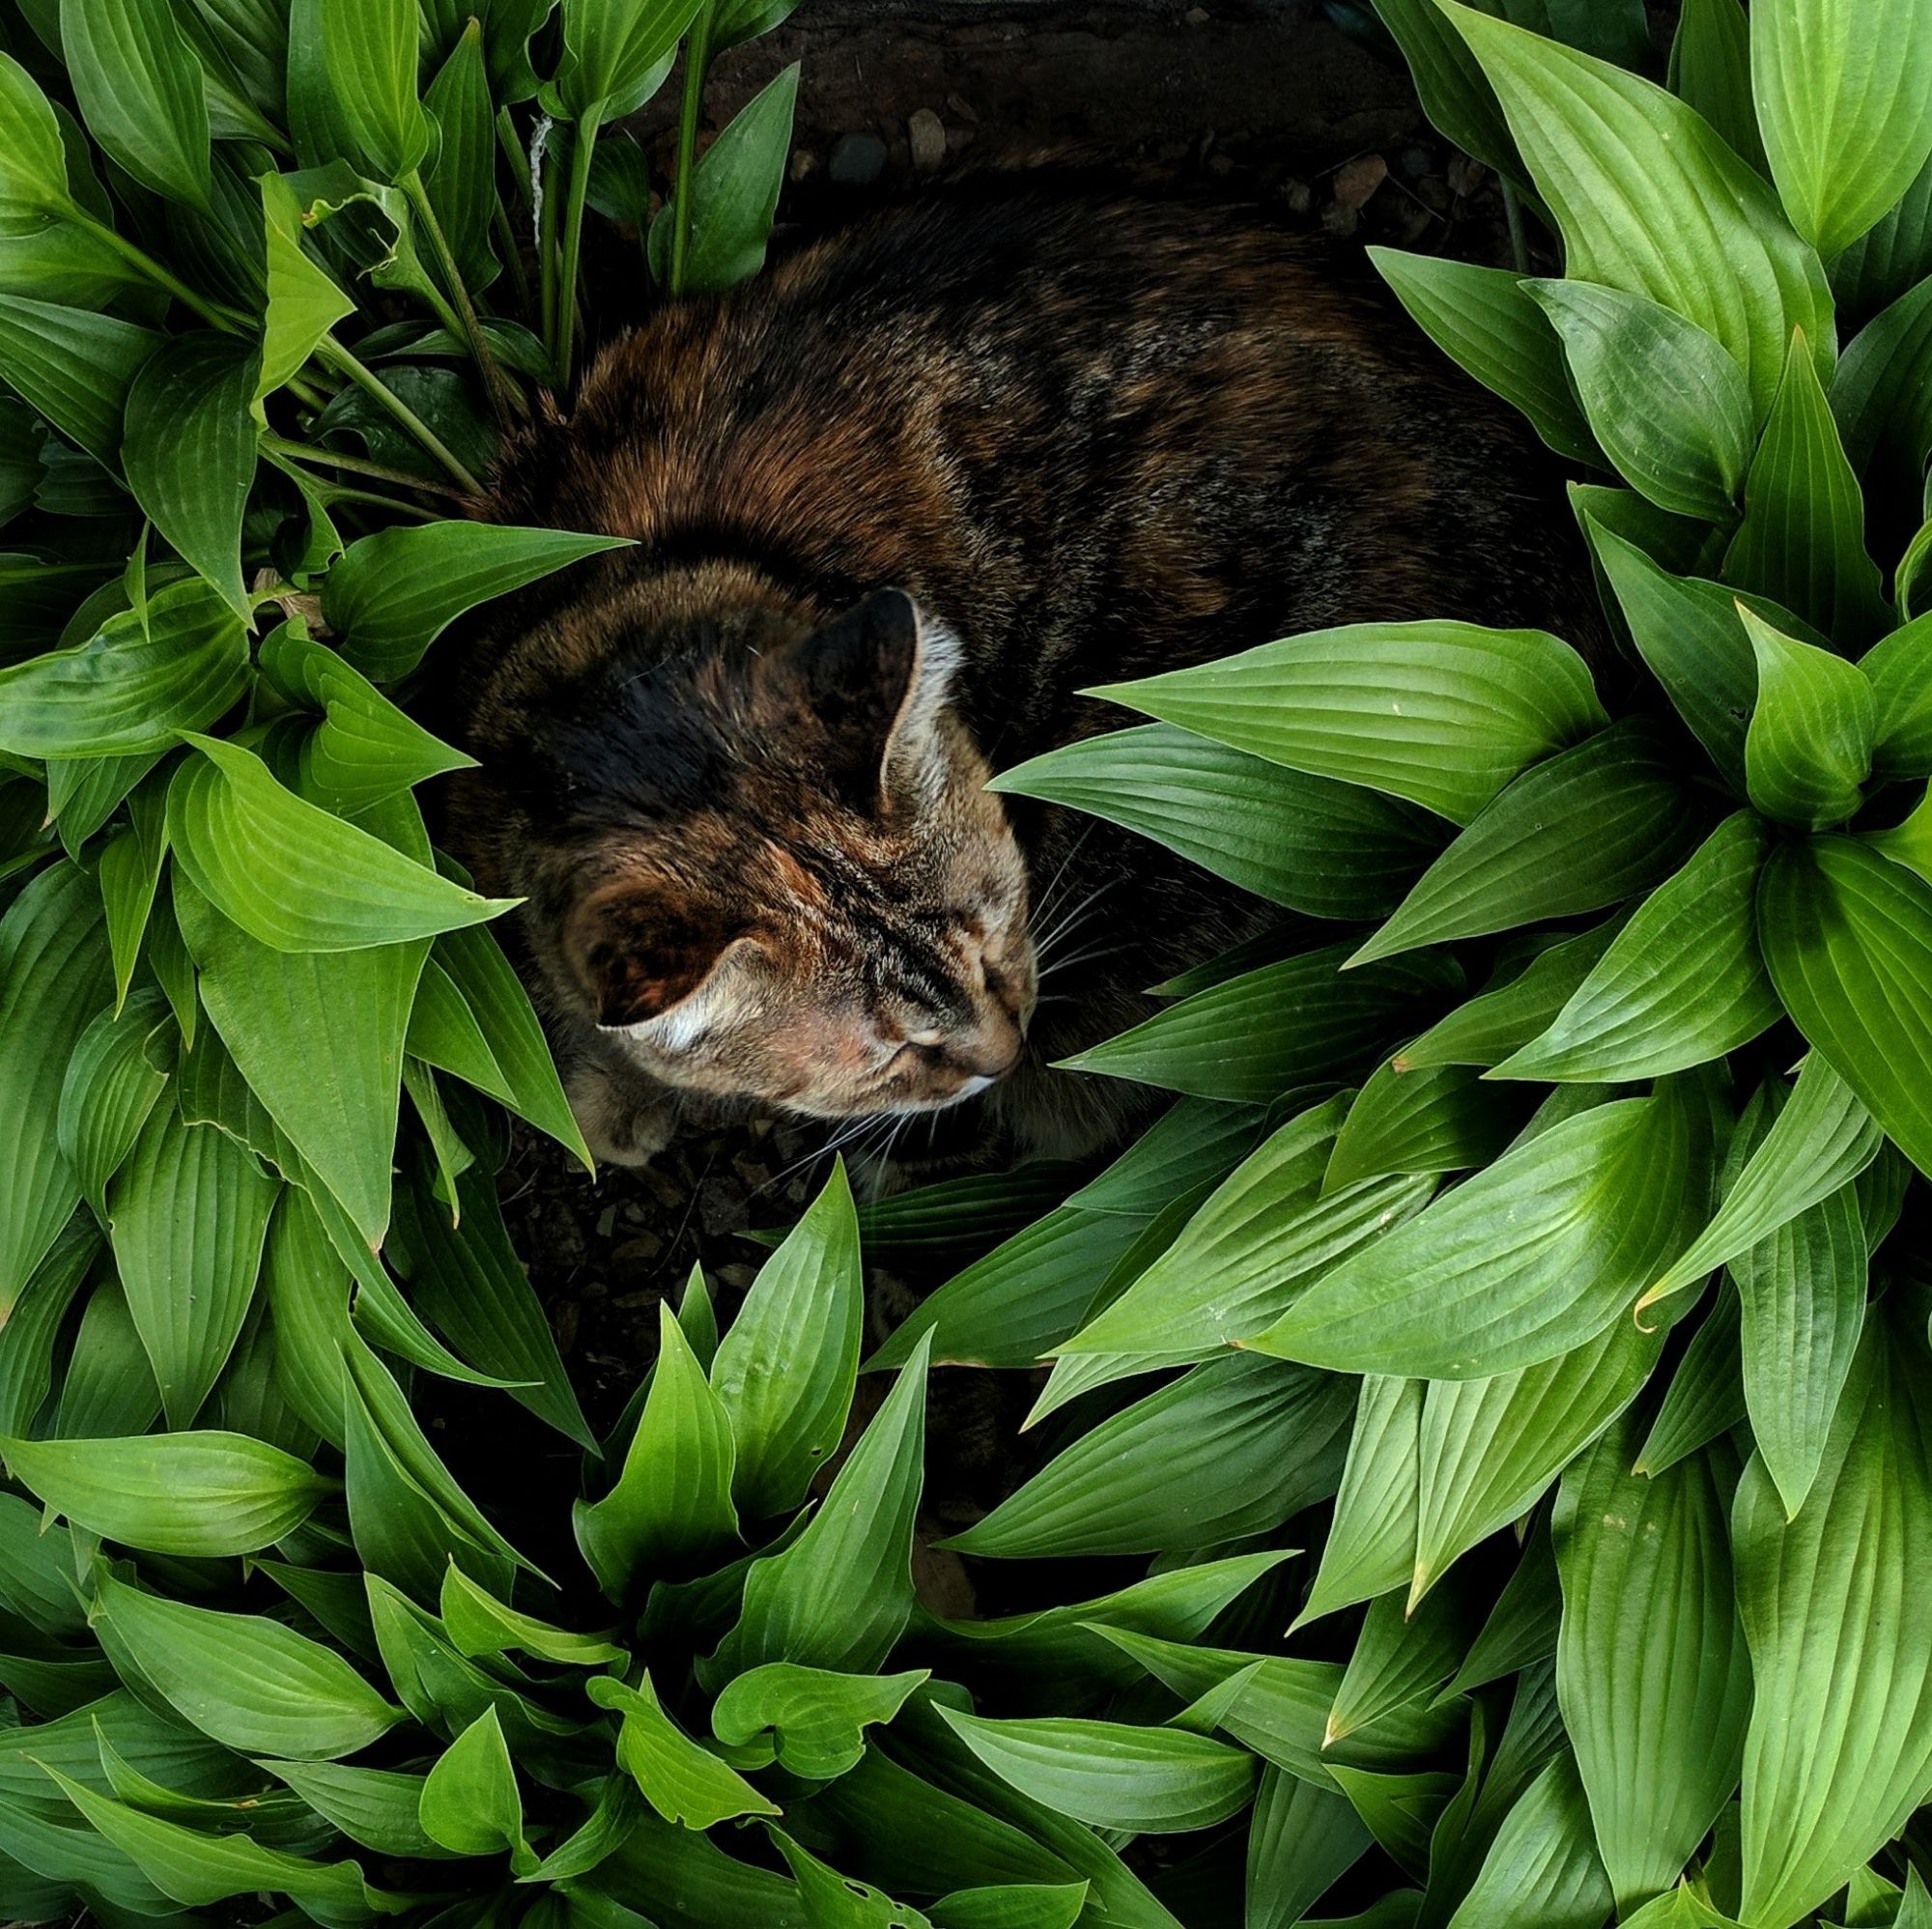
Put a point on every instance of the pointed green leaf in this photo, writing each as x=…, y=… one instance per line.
x=1543, y=1865
x=1845, y=104
x=140, y=92
x=135, y=685
x=469, y=1802
x=477, y=1624
x=1650, y=1654
x=1333, y=850
x=1486, y=320
x=1839, y=1748
x=1707, y=1392
x=1710, y=72
x=1583, y=830
x=395, y=593
x=673, y=1499
x=1682, y=982
x=1651, y=201
x=1809, y=744
x=680, y=1778
x=1371, y=1545
x=74, y=367
x=1442, y=1118
x=786, y=1371
x=1668, y=405
x=203, y=1493
x=118, y=1071
x=1443, y=714
x=1113, y=1775
x=1531, y=1258
x=812, y=1721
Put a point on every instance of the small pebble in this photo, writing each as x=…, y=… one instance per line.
x=1360, y=179
x=857, y=159
x=1341, y=220
x=1299, y=196
x=1465, y=176
x=606, y=1220
x=926, y=132
x=1196, y=17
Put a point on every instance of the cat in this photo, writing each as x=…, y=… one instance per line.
x=896, y=502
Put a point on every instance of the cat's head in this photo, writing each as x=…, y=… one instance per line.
x=775, y=872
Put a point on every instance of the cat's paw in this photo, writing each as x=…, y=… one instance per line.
x=621, y=1124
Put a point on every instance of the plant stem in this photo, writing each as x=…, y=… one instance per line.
x=472, y=328
x=583, y=143
x=336, y=492
x=696, y=67
x=547, y=250
x=513, y=255
x=334, y=354
x=354, y=465
x=213, y=313
x=1519, y=241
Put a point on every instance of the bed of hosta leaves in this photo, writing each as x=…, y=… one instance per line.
x=1483, y=1472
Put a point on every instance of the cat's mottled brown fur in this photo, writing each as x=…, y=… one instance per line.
x=1089, y=438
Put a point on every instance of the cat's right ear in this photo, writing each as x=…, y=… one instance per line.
x=640, y=954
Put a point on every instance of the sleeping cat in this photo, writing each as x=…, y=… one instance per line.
x=895, y=503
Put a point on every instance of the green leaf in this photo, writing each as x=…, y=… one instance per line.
x=1488, y=1447
x=1231, y=1448
x=75, y=368
x=1302, y=1839
x=302, y=301
x=54, y=978
x=1652, y=1673
x=1666, y=402
x=1822, y=1139
x=339, y=1112
x=134, y=686
x=735, y=192
x=1846, y=109
x=615, y=55
x=293, y=876
x=140, y=92
x=246, y=1681
x=34, y=1322
x=1526, y=1260
x=1454, y=94
x=1543, y=1865
x=1264, y=1032
x=1682, y=984
x=462, y=179
x=1487, y=321
x=1707, y=1395
x=1521, y=1001
x=1443, y=714
x=1848, y=937
x=118, y=1071
x=478, y=1624
x=1011, y=1905
x=360, y=59
x=376, y=1807
x=784, y=1373
x=1583, y=830
x=189, y=450
x=1879, y=399
x=840, y=1595
x=1839, y=1748
x=1803, y=538
x=1523, y=1626
x=187, y=1214
x=1710, y=72
x=1899, y=670
x=1112, y=1775
x=1398, y=1657
x=1331, y=849
x=835, y=1901
x=469, y=1802
x=810, y=1720
x=1251, y=1247
x=680, y=1778
x=1371, y=1545
x=1649, y=200
x=395, y=592
x=672, y=1501
x=1802, y=1293
x=1679, y=1908
x=196, y=1495
x=33, y=160
x=1443, y=1119
x=199, y=1869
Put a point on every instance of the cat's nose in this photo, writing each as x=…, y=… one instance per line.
x=990, y=1051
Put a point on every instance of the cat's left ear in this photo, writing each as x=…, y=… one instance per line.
x=878, y=679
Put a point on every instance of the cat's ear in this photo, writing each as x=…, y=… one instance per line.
x=878, y=679
x=640, y=954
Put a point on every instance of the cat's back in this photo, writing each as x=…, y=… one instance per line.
x=1099, y=433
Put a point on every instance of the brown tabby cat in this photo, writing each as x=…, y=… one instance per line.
x=895, y=503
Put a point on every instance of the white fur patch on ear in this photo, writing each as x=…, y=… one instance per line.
x=676, y=1028
x=912, y=746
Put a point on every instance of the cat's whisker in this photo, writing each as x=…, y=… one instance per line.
x=1088, y=956
x=1044, y=906
x=1044, y=947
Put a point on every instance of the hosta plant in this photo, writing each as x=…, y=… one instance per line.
x=1482, y=1470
